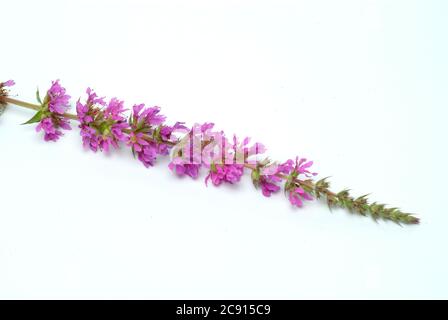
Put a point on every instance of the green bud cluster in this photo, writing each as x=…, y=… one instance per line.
x=360, y=205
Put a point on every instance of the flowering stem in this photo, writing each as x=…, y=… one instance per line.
x=343, y=199
x=319, y=189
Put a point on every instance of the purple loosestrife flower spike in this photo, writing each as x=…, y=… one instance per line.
x=104, y=125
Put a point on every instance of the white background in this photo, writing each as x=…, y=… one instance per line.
x=360, y=87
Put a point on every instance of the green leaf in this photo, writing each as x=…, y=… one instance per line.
x=36, y=118
x=38, y=96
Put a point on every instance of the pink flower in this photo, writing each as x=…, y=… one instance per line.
x=148, y=155
x=102, y=125
x=150, y=117
x=8, y=83
x=297, y=195
x=51, y=115
x=302, y=166
x=166, y=132
x=153, y=117
x=230, y=173
x=244, y=152
x=182, y=168
x=86, y=112
x=286, y=167
x=268, y=187
x=186, y=160
x=268, y=176
x=148, y=137
x=50, y=125
x=58, y=101
x=206, y=127
x=136, y=141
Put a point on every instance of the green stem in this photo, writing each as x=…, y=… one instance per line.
x=71, y=116
x=21, y=103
